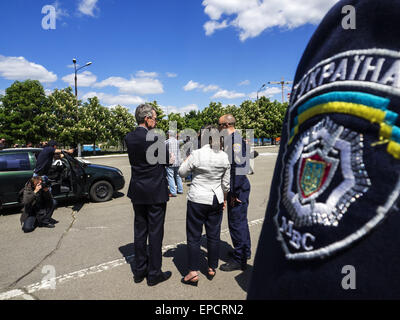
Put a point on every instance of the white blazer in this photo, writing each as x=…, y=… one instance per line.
x=211, y=175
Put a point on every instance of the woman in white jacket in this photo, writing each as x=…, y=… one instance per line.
x=210, y=168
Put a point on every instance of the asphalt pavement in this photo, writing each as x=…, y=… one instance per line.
x=89, y=253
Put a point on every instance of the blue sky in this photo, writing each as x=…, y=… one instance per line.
x=181, y=53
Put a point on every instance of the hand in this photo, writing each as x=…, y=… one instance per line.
x=234, y=200
x=224, y=205
x=38, y=188
x=171, y=158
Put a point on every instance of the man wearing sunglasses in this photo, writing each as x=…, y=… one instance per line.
x=238, y=197
x=148, y=191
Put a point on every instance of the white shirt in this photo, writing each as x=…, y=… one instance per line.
x=211, y=175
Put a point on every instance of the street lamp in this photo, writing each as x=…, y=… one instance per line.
x=76, y=93
x=262, y=87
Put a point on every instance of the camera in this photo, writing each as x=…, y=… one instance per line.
x=46, y=183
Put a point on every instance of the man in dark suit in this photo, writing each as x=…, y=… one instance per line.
x=148, y=191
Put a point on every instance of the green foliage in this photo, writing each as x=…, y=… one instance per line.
x=63, y=117
x=27, y=115
x=24, y=113
x=94, y=121
x=121, y=123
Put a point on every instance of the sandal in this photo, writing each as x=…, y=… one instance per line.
x=209, y=275
x=190, y=282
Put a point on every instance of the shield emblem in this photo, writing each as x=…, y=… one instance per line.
x=315, y=172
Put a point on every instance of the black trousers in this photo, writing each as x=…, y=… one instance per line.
x=148, y=224
x=37, y=216
x=210, y=216
x=239, y=229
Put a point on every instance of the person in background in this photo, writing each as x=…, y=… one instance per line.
x=45, y=158
x=2, y=144
x=38, y=204
x=207, y=195
x=174, y=180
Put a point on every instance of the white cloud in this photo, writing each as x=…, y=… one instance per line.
x=48, y=92
x=111, y=100
x=60, y=12
x=211, y=87
x=143, y=74
x=171, y=75
x=268, y=92
x=211, y=26
x=140, y=86
x=88, y=7
x=225, y=94
x=192, y=85
x=85, y=79
x=251, y=17
x=244, y=83
x=182, y=110
x=18, y=68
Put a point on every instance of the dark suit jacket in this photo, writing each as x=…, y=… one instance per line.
x=148, y=182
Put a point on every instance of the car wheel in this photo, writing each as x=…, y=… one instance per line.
x=101, y=191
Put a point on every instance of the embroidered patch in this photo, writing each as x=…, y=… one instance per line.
x=317, y=155
x=237, y=147
x=338, y=180
x=324, y=177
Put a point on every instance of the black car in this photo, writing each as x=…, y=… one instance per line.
x=69, y=177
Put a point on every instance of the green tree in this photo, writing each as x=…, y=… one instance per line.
x=64, y=121
x=24, y=113
x=94, y=120
x=211, y=114
x=121, y=123
x=193, y=120
x=162, y=121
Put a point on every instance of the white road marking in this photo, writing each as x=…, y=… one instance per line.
x=88, y=271
x=266, y=154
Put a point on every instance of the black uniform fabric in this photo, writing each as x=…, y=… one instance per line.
x=334, y=196
x=240, y=189
x=44, y=161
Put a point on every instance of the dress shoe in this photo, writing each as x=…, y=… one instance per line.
x=172, y=195
x=233, y=265
x=160, y=278
x=138, y=279
x=231, y=254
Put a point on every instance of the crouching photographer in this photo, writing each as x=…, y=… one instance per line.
x=39, y=204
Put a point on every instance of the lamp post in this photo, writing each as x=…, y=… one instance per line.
x=76, y=94
x=262, y=87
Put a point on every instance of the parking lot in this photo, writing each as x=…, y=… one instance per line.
x=88, y=254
